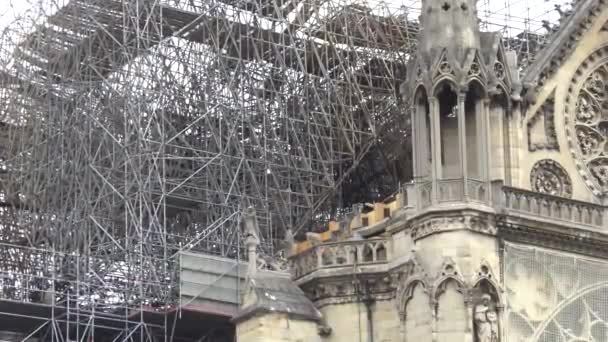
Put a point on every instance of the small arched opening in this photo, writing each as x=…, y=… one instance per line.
x=447, y=99
x=423, y=129
x=473, y=109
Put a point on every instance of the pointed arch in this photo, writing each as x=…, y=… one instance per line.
x=485, y=281
x=416, y=310
x=451, y=310
x=447, y=111
x=422, y=123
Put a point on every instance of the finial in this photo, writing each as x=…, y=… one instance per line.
x=449, y=24
x=252, y=240
x=289, y=242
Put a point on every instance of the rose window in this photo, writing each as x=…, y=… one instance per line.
x=591, y=126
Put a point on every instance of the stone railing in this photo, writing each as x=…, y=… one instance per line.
x=425, y=192
x=551, y=207
x=449, y=191
x=477, y=190
x=340, y=254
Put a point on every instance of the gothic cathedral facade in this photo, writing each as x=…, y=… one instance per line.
x=503, y=234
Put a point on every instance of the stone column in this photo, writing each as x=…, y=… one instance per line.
x=485, y=142
x=435, y=147
x=470, y=332
x=252, y=248
x=515, y=145
x=462, y=142
x=252, y=241
x=415, y=119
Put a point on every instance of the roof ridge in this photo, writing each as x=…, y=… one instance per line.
x=563, y=42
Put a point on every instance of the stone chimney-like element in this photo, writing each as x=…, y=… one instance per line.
x=458, y=88
x=252, y=240
x=449, y=24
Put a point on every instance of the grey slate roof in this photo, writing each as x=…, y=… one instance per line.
x=277, y=294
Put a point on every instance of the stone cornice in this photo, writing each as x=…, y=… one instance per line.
x=465, y=219
x=350, y=288
x=557, y=237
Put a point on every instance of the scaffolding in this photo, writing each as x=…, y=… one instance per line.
x=133, y=130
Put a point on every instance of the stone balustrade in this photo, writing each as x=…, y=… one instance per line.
x=518, y=201
x=340, y=254
x=451, y=190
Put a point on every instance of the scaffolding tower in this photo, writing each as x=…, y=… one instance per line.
x=134, y=130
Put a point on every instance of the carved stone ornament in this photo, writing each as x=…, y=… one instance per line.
x=481, y=224
x=448, y=272
x=499, y=71
x=486, y=320
x=475, y=69
x=484, y=272
x=586, y=117
x=345, y=289
x=549, y=177
x=445, y=68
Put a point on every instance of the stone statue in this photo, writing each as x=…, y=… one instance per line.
x=486, y=320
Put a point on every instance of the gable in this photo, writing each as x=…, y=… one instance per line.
x=563, y=42
x=566, y=112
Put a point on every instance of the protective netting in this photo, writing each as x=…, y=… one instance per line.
x=554, y=296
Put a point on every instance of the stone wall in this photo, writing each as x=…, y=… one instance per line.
x=277, y=328
x=467, y=249
x=349, y=322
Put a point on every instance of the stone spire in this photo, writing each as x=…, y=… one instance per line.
x=449, y=24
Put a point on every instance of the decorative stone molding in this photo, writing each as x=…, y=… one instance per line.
x=484, y=281
x=465, y=221
x=484, y=272
x=545, y=114
x=475, y=69
x=449, y=271
x=586, y=119
x=405, y=280
x=549, y=177
x=487, y=66
x=500, y=71
x=349, y=289
x=574, y=241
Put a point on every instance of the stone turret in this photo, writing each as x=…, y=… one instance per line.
x=450, y=24
x=459, y=89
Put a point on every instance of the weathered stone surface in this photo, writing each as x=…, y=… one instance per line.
x=495, y=168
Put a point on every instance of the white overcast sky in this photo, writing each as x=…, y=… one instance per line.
x=518, y=14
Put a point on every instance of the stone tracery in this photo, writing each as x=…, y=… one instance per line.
x=588, y=125
x=549, y=177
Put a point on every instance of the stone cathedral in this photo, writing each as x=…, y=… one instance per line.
x=502, y=235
